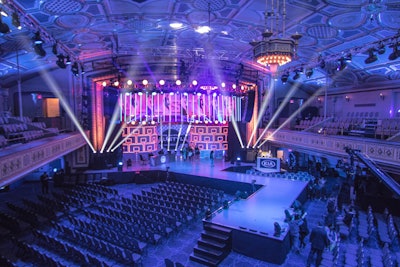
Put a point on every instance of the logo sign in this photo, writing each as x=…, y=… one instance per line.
x=268, y=163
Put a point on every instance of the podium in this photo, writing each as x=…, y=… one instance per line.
x=265, y=164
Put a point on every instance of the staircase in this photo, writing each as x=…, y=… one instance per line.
x=213, y=246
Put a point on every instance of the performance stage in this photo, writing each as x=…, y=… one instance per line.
x=252, y=219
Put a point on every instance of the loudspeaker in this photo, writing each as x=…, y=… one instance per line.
x=248, y=106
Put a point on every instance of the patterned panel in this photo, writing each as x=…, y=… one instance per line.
x=15, y=165
x=375, y=149
x=143, y=139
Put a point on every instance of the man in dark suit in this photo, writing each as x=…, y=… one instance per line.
x=319, y=241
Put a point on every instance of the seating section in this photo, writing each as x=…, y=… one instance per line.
x=93, y=225
x=21, y=130
x=300, y=175
x=370, y=127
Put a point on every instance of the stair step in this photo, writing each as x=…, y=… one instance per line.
x=204, y=260
x=216, y=228
x=208, y=251
x=204, y=241
x=215, y=236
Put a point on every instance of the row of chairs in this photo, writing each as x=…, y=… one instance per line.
x=203, y=190
x=118, y=238
x=122, y=226
x=39, y=256
x=354, y=255
x=164, y=223
x=61, y=248
x=192, y=206
x=100, y=246
x=206, y=198
x=40, y=208
x=143, y=227
x=100, y=188
x=381, y=257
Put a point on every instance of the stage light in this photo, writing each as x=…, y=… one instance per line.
x=178, y=82
x=15, y=21
x=296, y=75
x=233, y=86
x=39, y=50
x=75, y=69
x=37, y=39
x=161, y=82
x=348, y=57
x=194, y=82
x=381, y=49
x=223, y=85
x=145, y=82
x=104, y=84
x=54, y=49
x=309, y=73
x=60, y=61
x=68, y=61
x=371, y=56
x=175, y=25
x=395, y=54
x=129, y=82
x=285, y=77
x=116, y=83
x=341, y=64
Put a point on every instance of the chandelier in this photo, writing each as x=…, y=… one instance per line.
x=272, y=50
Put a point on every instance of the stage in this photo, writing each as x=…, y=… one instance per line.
x=252, y=219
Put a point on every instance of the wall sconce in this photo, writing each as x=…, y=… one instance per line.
x=347, y=98
x=382, y=96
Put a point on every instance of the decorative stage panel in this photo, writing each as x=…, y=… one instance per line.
x=174, y=137
x=209, y=137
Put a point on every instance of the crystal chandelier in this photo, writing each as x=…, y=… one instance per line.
x=273, y=51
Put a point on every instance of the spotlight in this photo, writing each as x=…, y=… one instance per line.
x=309, y=73
x=39, y=50
x=145, y=82
x=4, y=27
x=381, y=49
x=82, y=70
x=15, y=21
x=161, y=82
x=54, y=49
x=371, y=56
x=348, y=57
x=395, y=54
x=296, y=75
x=342, y=64
x=285, y=77
x=37, y=39
x=68, y=61
x=75, y=69
x=178, y=82
x=60, y=61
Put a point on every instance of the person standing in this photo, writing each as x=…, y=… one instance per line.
x=294, y=231
x=44, y=180
x=304, y=231
x=319, y=241
x=212, y=158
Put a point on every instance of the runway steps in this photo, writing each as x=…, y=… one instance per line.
x=214, y=244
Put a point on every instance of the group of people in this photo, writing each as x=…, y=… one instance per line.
x=323, y=236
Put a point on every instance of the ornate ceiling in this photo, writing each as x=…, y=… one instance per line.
x=134, y=37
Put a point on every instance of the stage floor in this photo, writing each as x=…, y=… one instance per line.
x=263, y=208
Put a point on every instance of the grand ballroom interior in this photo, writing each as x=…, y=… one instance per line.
x=198, y=132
